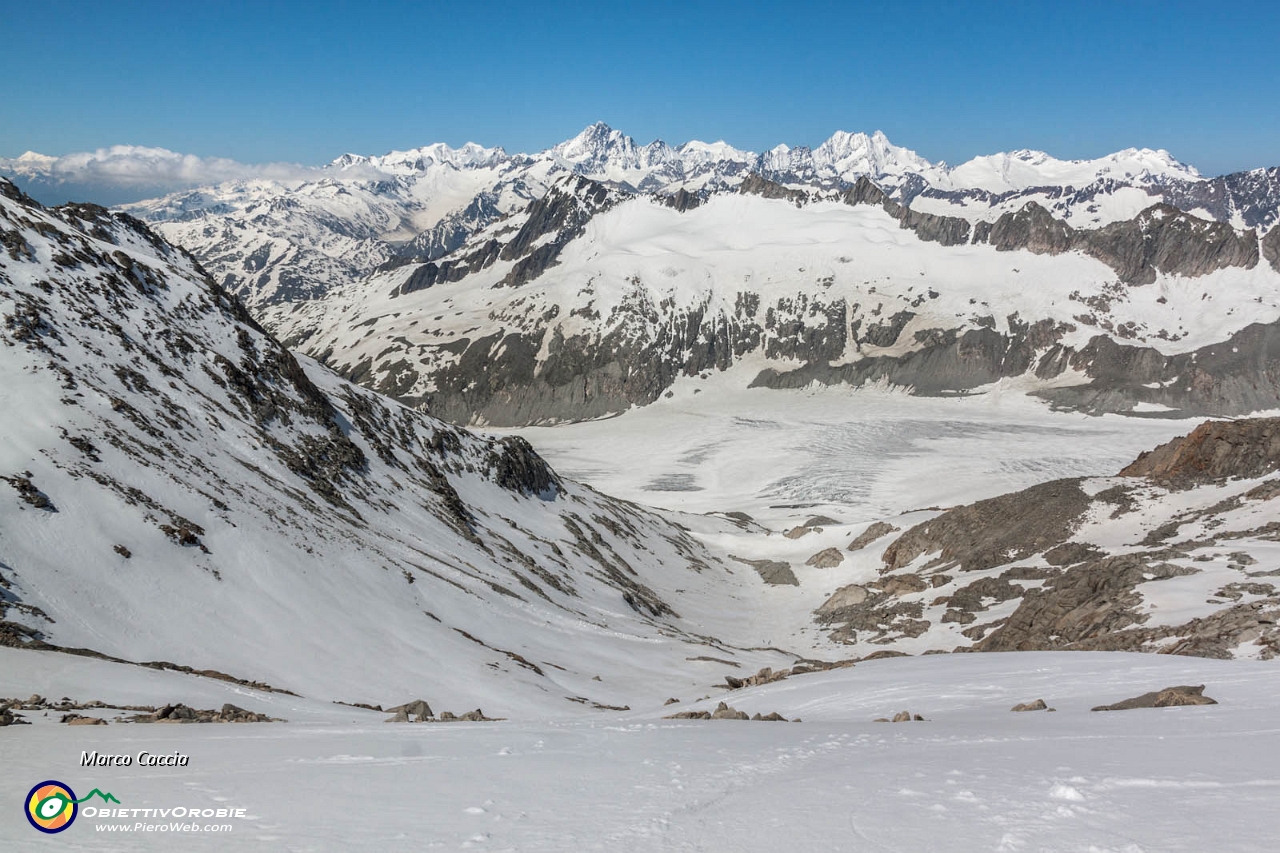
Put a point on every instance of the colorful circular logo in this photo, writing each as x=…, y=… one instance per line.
x=51, y=806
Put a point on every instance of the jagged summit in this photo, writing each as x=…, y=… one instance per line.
x=468, y=156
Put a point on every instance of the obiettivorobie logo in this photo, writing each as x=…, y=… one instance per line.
x=52, y=806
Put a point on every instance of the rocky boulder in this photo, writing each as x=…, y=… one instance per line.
x=725, y=712
x=1037, y=705
x=418, y=709
x=826, y=559
x=1170, y=697
x=845, y=596
x=871, y=534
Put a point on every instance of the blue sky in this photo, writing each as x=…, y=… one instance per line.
x=306, y=81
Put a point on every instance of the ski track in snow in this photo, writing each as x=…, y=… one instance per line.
x=973, y=777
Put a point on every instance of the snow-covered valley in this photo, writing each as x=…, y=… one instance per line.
x=190, y=513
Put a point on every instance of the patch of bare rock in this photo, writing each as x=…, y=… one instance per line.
x=1169, y=697
x=826, y=559
x=772, y=572
x=180, y=713
x=768, y=675
x=871, y=534
x=174, y=713
x=418, y=711
x=1038, y=705
x=901, y=717
x=724, y=711
x=814, y=524
x=1215, y=450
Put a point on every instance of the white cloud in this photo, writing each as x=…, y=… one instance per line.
x=127, y=166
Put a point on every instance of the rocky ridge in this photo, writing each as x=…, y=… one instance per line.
x=594, y=337
x=1094, y=563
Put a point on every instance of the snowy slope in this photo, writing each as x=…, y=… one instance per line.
x=177, y=487
x=972, y=777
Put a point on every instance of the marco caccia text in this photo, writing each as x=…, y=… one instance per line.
x=142, y=759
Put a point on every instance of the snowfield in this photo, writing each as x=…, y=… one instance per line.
x=857, y=455
x=972, y=777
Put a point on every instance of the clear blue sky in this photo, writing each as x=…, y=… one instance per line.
x=306, y=81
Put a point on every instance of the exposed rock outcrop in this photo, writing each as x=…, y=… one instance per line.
x=180, y=713
x=1039, y=583
x=772, y=572
x=1169, y=697
x=844, y=597
x=994, y=531
x=1213, y=451
x=871, y=534
x=418, y=709
x=1038, y=705
x=826, y=559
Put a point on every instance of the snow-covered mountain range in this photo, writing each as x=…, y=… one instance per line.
x=592, y=299
x=280, y=232
x=575, y=282
x=176, y=487
x=181, y=491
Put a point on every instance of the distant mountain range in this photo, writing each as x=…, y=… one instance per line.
x=513, y=288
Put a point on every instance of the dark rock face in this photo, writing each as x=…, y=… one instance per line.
x=951, y=363
x=1270, y=246
x=755, y=184
x=864, y=191
x=1164, y=239
x=518, y=468
x=1213, y=451
x=10, y=190
x=884, y=334
x=995, y=531
x=1237, y=376
x=683, y=200
x=563, y=212
x=1086, y=607
x=947, y=230
x=1033, y=228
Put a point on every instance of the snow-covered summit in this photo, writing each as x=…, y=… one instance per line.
x=851, y=154
x=424, y=159
x=281, y=234
x=1024, y=169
